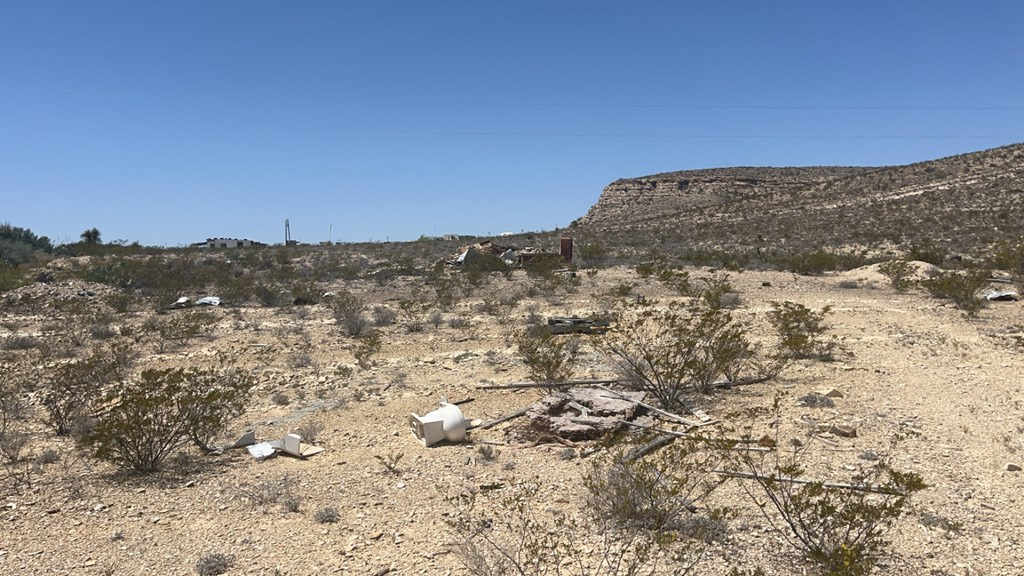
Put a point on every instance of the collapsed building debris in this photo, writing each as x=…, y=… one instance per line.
x=491, y=257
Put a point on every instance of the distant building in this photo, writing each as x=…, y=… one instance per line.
x=229, y=243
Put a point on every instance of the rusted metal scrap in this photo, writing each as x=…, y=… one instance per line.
x=576, y=325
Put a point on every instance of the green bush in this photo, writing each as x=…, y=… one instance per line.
x=801, y=331
x=840, y=527
x=549, y=358
x=73, y=389
x=899, y=272
x=668, y=352
x=960, y=287
x=151, y=418
x=348, y=313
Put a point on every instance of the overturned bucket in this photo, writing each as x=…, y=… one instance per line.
x=445, y=423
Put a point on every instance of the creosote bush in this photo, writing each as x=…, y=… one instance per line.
x=677, y=349
x=348, y=313
x=549, y=358
x=899, y=272
x=157, y=414
x=801, y=331
x=960, y=287
x=840, y=527
x=73, y=388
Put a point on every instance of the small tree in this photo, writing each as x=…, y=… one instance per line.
x=90, y=236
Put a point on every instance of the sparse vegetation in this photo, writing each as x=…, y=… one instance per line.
x=801, y=331
x=549, y=358
x=899, y=272
x=960, y=287
x=152, y=417
x=676, y=349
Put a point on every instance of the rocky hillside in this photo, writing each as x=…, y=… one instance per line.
x=963, y=203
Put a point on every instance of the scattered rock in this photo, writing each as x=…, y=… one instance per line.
x=1012, y=467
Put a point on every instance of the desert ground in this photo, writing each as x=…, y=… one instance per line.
x=908, y=366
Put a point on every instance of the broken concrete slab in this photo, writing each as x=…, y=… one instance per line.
x=583, y=413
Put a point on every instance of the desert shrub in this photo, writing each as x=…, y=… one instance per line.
x=13, y=410
x=899, y=272
x=182, y=326
x=72, y=390
x=840, y=527
x=960, y=287
x=12, y=277
x=214, y=564
x=670, y=351
x=310, y=430
x=813, y=263
x=509, y=534
x=801, y=331
x=267, y=296
x=305, y=292
x=367, y=345
x=436, y=318
x=927, y=252
x=446, y=286
x=549, y=358
x=384, y=316
x=74, y=317
x=591, y=254
x=717, y=291
x=348, y=313
x=327, y=515
x=646, y=269
x=21, y=342
x=675, y=280
x=154, y=416
x=659, y=492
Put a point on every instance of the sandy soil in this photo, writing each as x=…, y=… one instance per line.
x=913, y=366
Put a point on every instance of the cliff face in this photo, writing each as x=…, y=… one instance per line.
x=964, y=203
x=670, y=193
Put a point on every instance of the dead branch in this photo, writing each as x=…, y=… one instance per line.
x=506, y=418
x=523, y=385
x=840, y=485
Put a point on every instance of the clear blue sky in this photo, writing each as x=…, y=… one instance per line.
x=168, y=122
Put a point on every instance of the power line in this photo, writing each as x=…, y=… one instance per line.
x=526, y=134
x=781, y=107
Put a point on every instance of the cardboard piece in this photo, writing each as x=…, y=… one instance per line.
x=247, y=439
